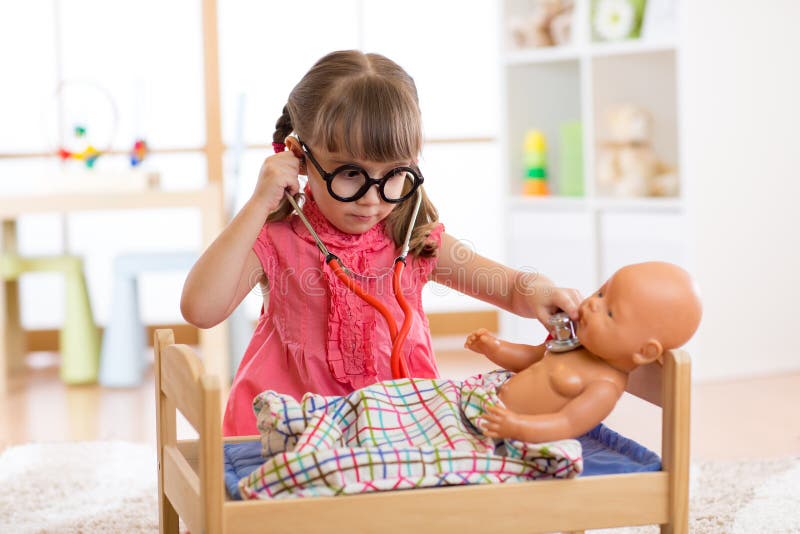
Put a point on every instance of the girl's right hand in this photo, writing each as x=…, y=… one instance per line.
x=278, y=173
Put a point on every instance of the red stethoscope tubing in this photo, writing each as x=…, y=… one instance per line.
x=397, y=361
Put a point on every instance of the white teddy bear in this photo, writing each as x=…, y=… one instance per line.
x=627, y=166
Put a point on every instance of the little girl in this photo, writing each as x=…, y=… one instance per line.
x=357, y=136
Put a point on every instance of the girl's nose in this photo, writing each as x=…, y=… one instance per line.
x=591, y=304
x=372, y=196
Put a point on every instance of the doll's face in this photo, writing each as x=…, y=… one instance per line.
x=643, y=309
x=611, y=323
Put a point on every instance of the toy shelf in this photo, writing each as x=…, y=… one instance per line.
x=604, y=204
x=551, y=203
x=594, y=50
x=650, y=205
x=542, y=55
x=632, y=47
x=580, y=240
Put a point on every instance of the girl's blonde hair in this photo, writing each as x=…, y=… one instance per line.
x=364, y=105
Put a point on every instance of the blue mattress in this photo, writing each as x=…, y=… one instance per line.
x=604, y=453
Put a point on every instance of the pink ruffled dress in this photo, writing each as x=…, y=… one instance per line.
x=316, y=335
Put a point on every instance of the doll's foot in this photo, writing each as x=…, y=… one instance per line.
x=483, y=342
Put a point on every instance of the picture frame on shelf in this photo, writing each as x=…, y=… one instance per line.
x=616, y=20
x=660, y=21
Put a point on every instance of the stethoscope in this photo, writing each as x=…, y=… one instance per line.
x=563, y=334
x=398, y=336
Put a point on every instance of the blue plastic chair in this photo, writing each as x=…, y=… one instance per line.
x=123, y=359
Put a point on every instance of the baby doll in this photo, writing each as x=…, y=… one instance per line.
x=641, y=311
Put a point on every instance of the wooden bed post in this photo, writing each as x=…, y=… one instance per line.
x=212, y=491
x=677, y=385
x=165, y=433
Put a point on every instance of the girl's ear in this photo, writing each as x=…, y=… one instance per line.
x=293, y=144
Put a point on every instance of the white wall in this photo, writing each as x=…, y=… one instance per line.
x=741, y=92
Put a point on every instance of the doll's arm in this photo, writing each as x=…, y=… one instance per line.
x=579, y=416
x=511, y=356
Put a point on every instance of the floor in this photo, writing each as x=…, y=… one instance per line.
x=730, y=420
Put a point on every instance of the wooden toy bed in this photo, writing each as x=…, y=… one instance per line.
x=191, y=482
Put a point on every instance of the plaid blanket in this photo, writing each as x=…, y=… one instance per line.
x=397, y=434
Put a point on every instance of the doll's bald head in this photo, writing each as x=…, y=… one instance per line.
x=641, y=311
x=666, y=299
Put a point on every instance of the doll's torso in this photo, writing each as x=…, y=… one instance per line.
x=549, y=384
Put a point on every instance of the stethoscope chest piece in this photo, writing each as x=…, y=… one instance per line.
x=563, y=331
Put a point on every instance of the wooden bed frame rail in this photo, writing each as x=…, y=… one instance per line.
x=191, y=481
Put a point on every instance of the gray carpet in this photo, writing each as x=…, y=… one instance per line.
x=759, y=496
x=78, y=488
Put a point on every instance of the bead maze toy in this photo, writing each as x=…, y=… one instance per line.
x=535, y=161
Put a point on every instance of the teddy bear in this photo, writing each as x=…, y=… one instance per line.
x=546, y=23
x=627, y=165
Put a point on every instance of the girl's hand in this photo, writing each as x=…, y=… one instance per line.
x=544, y=299
x=278, y=173
x=556, y=299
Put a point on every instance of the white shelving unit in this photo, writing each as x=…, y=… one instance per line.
x=580, y=240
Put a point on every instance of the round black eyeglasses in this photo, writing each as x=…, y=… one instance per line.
x=350, y=182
